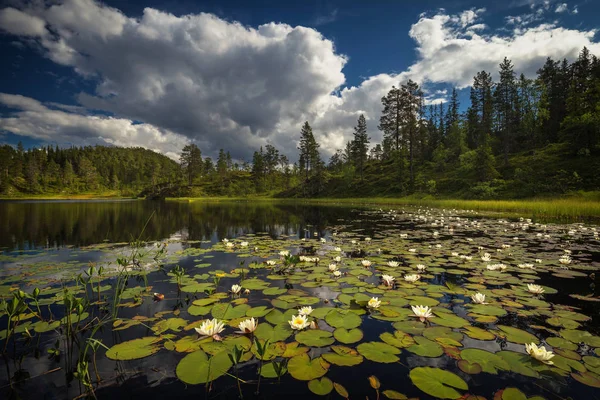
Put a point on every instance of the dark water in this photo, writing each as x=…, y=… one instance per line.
x=56, y=232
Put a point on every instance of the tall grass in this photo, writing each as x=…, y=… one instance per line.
x=581, y=207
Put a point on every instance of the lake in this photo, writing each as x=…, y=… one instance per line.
x=403, y=302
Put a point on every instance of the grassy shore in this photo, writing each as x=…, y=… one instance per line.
x=581, y=207
x=68, y=196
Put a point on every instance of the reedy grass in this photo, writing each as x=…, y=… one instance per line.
x=580, y=207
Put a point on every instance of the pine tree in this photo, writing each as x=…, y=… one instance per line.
x=506, y=107
x=191, y=162
x=390, y=120
x=360, y=145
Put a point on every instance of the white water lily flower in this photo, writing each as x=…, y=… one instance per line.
x=244, y=244
x=538, y=260
x=478, y=298
x=565, y=259
x=229, y=244
x=526, y=266
x=337, y=273
x=454, y=254
x=305, y=310
x=248, y=325
x=338, y=249
x=374, y=303
x=539, y=353
x=412, y=250
x=388, y=280
x=393, y=264
x=337, y=259
x=247, y=291
x=536, y=289
x=284, y=253
x=298, y=322
x=323, y=240
x=412, y=277
x=333, y=267
x=211, y=327
x=271, y=262
x=225, y=240
x=235, y=289
x=486, y=257
x=423, y=312
x=367, y=239
x=403, y=235
x=421, y=267
x=366, y=263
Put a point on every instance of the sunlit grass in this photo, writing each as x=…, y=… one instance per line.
x=583, y=206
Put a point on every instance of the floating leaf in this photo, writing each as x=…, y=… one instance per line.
x=275, y=333
x=437, y=382
x=321, y=387
x=488, y=310
x=392, y=394
x=378, y=352
x=516, y=335
x=343, y=356
x=513, y=394
x=346, y=336
x=343, y=319
x=340, y=390
x=425, y=347
x=134, y=349
x=303, y=368
x=227, y=311
x=398, y=339
x=315, y=338
x=489, y=362
x=587, y=378
x=268, y=370
x=197, y=367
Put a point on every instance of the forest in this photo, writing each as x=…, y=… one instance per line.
x=518, y=138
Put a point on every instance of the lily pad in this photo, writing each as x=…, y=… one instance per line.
x=490, y=362
x=343, y=319
x=437, y=382
x=134, y=349
x=303, y=368
x=315, y=338
x=379, y=352
x=197, y=367
x=321, y=387
x=346, y=336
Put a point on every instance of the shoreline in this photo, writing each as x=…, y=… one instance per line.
x=583, y=207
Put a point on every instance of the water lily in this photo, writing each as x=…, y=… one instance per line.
x=244, y=244
x=338, y=249
x=388, y=280
x=211, y=327
x=536, y=289
x=305, y=310
x=298, y=322
x=565, y=260
x=323, y=240
x=271, y=262
x=248, y=325
x=421, y=267
x=284, y=253
x=236, y=289
x=412, y=250
x=247, y=291
x=478, y=298
x=229, y=244
x=486, y=257
x=393, y=264
x=539, y=353
x=423, y=312
x=525, y=266
x=366, y=263
x=374, y=303
x=332, y=267
x=337, y=273
x=412, y=277
x=337, y=259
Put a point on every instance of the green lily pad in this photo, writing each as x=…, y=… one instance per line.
x=134, y=349
x=315, y=338
x=197, y=367
x=227, y=311
x=484, y=309
x=490, y=362
x=343, y=319
x=378, y=352
x=517, y=335
x=343, y=356
x=303, y=368
x=425, y=347
x=437, y=382
x=346, y=336
x=321, y=387
x=398, y=339
x=275, y=333
x=258, y=312
x=469, y=367
x=268, y=371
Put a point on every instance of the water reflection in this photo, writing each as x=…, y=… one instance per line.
x=49, y=224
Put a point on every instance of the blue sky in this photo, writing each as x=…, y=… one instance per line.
x=239, y=74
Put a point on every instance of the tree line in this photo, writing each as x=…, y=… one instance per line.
x=517, y=137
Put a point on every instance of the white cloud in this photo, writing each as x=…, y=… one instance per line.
x=562, y=7
x=37, y=120
x=19, y=23
x=225, y=85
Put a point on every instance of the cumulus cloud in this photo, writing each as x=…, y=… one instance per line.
x=40, y=121
x=20, y=23
x=225, y=85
